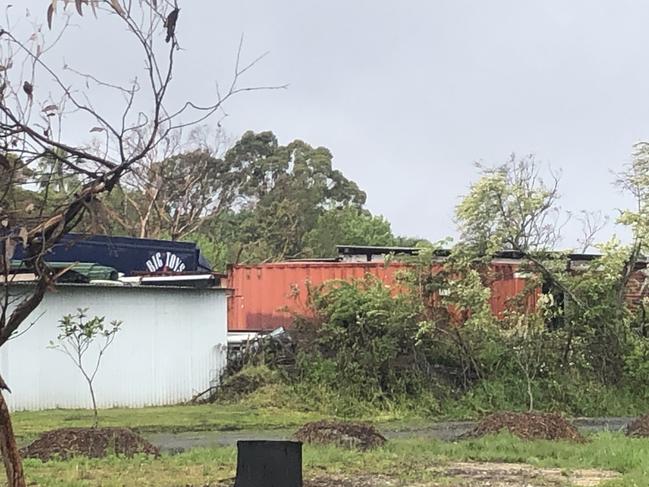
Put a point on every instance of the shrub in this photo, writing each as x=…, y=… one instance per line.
x=364, y=341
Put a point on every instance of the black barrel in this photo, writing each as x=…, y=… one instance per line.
x=269, y=464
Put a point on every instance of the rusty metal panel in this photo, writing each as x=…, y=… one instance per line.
x=266, y=296
x=506, y=286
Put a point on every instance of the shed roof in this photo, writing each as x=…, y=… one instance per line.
x=373, y=250
x=79, y=272
x=502, y=254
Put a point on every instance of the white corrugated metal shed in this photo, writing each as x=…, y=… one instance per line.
x=172, y=345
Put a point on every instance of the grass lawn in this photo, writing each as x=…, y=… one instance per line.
x=205, y=417
x=406, y=459
x=411, y=460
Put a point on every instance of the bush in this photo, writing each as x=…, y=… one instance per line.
x=636, y=363
x=364, y=341
x=365, y=348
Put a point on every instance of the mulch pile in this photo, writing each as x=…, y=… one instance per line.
x=638, y=427
x=528, y=426
x=362, y=436
x=241, y=384
x=90, y=442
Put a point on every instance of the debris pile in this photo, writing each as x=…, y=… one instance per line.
x=528, y=426
x=361, y=436
x=89, y=442
x=638, y=427
x=246, y=381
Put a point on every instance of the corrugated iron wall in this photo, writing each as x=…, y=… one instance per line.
x=265, y=296
x=172, y=345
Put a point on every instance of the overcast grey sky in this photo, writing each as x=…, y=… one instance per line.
x=408, y=95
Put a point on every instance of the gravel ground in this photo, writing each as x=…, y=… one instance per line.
x=471, y=474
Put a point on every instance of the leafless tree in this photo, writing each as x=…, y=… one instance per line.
x=176, y=188
x=592, y=222
x=42, y=107
x=530, y=207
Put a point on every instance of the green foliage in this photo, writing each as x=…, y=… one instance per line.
x=364, y=341
x=636, y=362
x=439, y=343
x=77, y=331
x=601, y=324
x=635, y=181
x=347, y=226
x=510, y=207
x=260, y=201
x=287, y=189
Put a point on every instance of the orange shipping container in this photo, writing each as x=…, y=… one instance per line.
x=265, y=296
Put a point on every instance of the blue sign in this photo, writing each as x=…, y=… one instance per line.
x=128, y=255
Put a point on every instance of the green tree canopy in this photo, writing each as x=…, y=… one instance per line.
x=284, y=192
x=348, y=226
x=260, y=201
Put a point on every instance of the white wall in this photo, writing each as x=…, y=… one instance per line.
x=172, y=344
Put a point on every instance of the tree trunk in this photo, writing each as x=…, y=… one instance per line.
x=95, y=423
x=530, y=395
x=10, y=454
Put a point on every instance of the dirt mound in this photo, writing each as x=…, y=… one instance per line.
x=528, y=426
x=90, y=442
x=351, y=435
x=638, y=427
